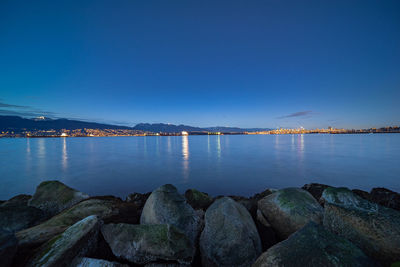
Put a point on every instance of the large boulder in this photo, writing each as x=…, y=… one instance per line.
x=266, y=232
x=90, y=262
x=197, y=199
x=166, y=206
x=142, y=244
x=289, y=209
x=54, y=197
x=230, y=237
x=314, y=246
x=373, y=228
x=17, y=217
x=78, y=240
x=8, y=248
x=108, y=209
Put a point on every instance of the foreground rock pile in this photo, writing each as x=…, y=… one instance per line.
x=317, y=225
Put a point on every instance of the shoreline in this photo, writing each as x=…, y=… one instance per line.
x=199, y=226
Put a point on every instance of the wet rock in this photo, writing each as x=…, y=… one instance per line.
x=138, y=199
x=197, y=199
x=166, y=206
x=266, y=232
x=314, y=246
x=8, y=248
x=288, y=210
x=315, y=189
x=54, y=197
x=108, y=209
x=19, y=200
x=142, y=244
x=372, y=227
x=90, y=262
x=249, y=203
x=15, y=218
x=76, y=241
x=386, y=197
x=230, y=237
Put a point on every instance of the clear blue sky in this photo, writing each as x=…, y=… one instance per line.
x=203, y=63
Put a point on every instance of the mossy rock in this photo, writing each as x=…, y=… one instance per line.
x=289, y=209
x=54, y=197
x=314, y=246
x=197, y=199
x=8, y=248
x=141, y=244
x=78, y=240
x=16, y=218
x=19, y=200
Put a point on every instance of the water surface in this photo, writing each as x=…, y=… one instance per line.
x=235, y=165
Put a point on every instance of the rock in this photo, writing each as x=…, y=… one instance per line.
x=142, y=244
x=230, y=237
x=159, y=264
x=315, y=189
x=197, y=199
x=249, y=203
x=138, y=199
x=288, y=210
x=361, y=193
x=386, y=197
x=8, y=248
x=166, y=206
x=76, y=241
x=266, y=232
x=314, y=246
x=15, y=218
x=19, y=200
x=373, y=228
x=54, y=197
x=107, y=209
x=263, y=194
x=90, y=262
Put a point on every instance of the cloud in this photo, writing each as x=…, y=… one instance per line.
x=297, y=114
x=5, y=105
x=24, y=111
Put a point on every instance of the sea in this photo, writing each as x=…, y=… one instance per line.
x=216, y=164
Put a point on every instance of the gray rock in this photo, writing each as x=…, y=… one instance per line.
x=230, y=237
x=8, y=248
x=107, y=209
x=54, y=197
x=142, y=244
x=289, y=209
x=138, y=199
x=386, y=197
x=158, y=264
x=166, y=206
x=90, y=262
x=373, y=228
x=15, y=218
x=197, y=199
x=78, y=240
x=315, y=189
x=314, y=246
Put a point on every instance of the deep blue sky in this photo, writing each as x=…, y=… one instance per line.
x=203, y=63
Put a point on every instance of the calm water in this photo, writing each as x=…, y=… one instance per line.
x=241, y=165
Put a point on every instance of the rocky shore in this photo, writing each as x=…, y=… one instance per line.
x=316, y=225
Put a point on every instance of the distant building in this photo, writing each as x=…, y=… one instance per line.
x=184, y=133
x=64, y=135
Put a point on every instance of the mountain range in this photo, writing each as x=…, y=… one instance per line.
x=15, y=123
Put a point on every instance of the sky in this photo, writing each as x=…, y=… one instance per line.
x=203, y=63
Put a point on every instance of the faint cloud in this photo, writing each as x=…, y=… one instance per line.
x=297, y=114
x=24, y=111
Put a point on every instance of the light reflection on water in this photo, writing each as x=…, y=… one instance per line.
x=218, y=164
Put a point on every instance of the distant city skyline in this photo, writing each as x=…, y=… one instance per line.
x=228, y=63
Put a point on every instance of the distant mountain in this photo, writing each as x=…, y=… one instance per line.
x=171, y=128
x=15, y=123
x=166, y=128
